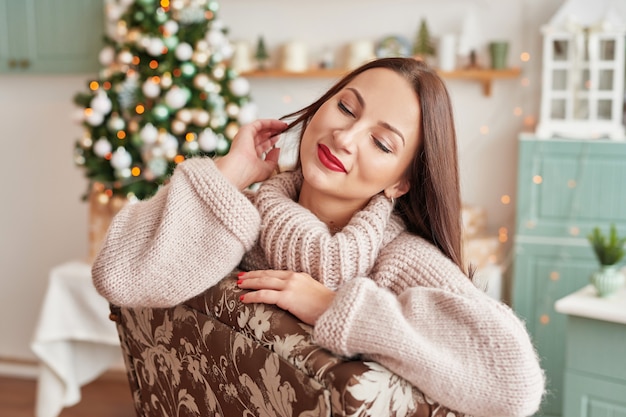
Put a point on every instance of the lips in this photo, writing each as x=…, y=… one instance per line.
x=329, y=160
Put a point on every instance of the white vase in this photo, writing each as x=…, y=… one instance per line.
x=607, y=280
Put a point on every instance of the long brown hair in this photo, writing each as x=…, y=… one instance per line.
x=432, y=206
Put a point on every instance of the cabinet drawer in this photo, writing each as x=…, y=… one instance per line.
x=597, y=347
x=589, y=396
x=566, y=187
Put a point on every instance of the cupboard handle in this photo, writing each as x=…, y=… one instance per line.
x=12, y=63
x=24, y=63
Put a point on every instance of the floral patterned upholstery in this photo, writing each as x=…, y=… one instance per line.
x=215, y=356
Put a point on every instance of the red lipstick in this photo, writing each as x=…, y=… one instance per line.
x=329, y=160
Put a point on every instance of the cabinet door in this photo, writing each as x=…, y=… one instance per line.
x=588, y=396
x=50, y=36
x=543, y=273
x=566, y=187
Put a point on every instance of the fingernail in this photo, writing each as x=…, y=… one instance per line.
x=241, y=298
x=240, y=274
x=239, y=281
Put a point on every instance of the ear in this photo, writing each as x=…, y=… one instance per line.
x=397, y=189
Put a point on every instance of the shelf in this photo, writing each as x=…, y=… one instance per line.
x=483, y=76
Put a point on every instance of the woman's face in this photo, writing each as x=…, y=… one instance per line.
x=362, y=140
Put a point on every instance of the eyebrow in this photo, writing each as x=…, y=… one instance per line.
x=386, y=125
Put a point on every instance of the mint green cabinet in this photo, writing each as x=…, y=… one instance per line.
x=50, y=36
x=595, y=365
x=565, y=188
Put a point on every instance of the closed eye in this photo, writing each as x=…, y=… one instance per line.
x=344, y=109
x=381, y=145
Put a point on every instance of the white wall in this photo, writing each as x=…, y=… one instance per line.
x=43, y=221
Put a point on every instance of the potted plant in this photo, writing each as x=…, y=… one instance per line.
x=609, y=251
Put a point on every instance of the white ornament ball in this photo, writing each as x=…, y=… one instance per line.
x=86, y=141
x=222, y=144
x=116, y=123
x=200, y=81
x=121, y=159
x=106, y=56
x=218, y=72
x=184, y=51
x=207, y=140
x=149, y=134
x=215, y=38
x=151, y=89
x=176, y=98
x=184, y=115
x=171, y=27
x=102, y=147
x=191, y=146
x=170, y=147
x=95, y=118
x=125, y=57
x=227, y=50
x=158, y=166
x=166, y=80
x=247, y=113
x=155, y=47
x=232, y=110
x=202, y=46
x=101, y=103
x=200, y=58
x=200, y=117
x=123, y=173
x=231, y=130
x=178, y=127
x=239, y=86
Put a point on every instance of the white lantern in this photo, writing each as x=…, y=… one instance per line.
x=583, y=71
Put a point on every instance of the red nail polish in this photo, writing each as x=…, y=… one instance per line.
x=241, y=298
x=239, y=281
x=240, y=274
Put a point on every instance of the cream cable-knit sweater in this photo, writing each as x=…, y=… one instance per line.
x=399, y=301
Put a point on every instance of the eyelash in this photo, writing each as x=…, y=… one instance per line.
x=377, y=142
x=344, y=109
x=380, y=145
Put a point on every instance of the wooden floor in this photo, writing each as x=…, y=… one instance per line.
x=108, y=396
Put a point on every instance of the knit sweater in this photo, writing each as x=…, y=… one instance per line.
x=399, y=300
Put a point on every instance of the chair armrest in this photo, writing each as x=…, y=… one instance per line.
x=272, y=327
x=357, y=387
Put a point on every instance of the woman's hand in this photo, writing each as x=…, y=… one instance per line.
x=252, y=156
x=298, y=293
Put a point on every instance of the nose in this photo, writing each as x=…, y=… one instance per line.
x=346, y=138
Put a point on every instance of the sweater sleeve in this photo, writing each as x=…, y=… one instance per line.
x=431, y=326
x=167, y=249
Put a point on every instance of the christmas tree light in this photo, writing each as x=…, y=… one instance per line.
x=165, y=93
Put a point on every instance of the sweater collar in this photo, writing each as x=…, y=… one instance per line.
x=293, y=238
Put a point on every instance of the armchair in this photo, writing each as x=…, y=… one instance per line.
x=215, y=356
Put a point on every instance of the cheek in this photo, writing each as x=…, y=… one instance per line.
x=382, y=169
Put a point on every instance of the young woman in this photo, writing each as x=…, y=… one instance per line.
x=362, y=240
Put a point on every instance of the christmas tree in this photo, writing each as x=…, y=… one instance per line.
x=423, y=46
x=165, y=93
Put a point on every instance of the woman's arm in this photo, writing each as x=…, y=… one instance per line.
x=419, y=316
x=194, y=231
x=164, y=250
